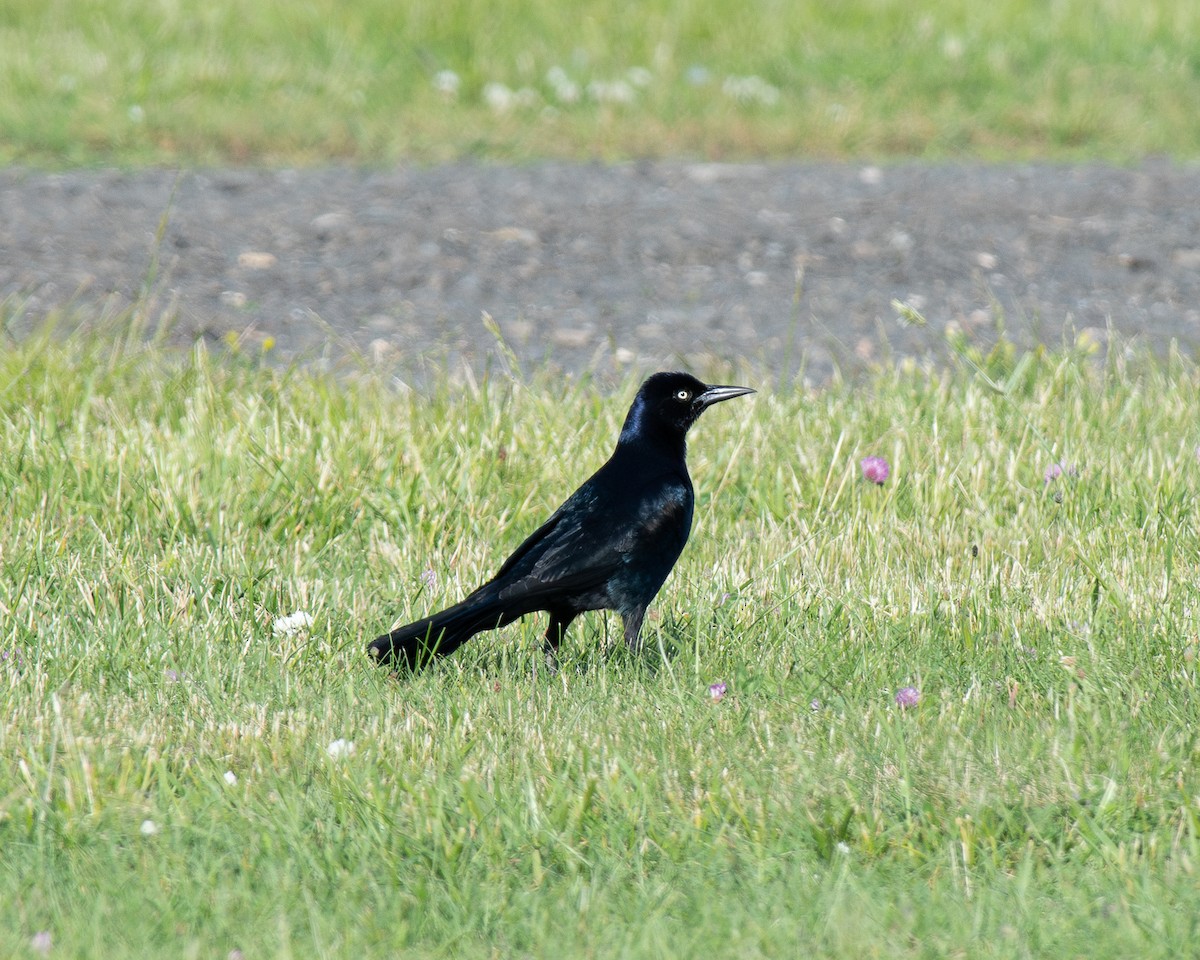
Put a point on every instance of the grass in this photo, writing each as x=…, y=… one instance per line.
x=168, y=787
x=178, y=777
x=142, y=82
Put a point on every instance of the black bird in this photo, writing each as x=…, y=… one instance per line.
x=609, y=547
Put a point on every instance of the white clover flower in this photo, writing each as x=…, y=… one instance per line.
x=750, y=90
x=149, y=828
x=610, y=91
x=446, y=82
x=565, y=89
x=231, y=778
x=341, y=748
x=291, y=625
x=639, y=76
x=498, y=97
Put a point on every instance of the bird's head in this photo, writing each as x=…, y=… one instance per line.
x=669, y=403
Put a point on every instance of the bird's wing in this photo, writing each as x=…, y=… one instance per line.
x=569, y=551
x=582, y=545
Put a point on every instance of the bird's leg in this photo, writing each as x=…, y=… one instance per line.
x=559, y=621
x=633, y=628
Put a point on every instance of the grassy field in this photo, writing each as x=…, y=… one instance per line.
x=188, y=773
x=960, y=715
x=375, y=82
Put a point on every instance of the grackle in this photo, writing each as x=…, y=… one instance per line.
x=609, y=547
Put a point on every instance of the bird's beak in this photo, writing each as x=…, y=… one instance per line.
x=717, y=394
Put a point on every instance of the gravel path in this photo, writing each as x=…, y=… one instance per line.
x=651, y=263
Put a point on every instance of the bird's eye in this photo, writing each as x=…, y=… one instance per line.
x=683, y=396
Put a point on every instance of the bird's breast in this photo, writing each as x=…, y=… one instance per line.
x=664, y=521
x=666, y=515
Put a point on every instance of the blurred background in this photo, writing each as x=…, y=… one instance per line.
x=675, y=183
x=133, y=82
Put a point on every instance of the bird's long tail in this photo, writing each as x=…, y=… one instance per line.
x=418, y=644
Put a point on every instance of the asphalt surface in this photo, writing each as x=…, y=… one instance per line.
x=653, y=264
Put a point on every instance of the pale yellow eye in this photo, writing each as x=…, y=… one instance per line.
x=683, y=396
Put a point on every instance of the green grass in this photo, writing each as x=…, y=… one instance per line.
x=163, y=510
x=164, y=82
